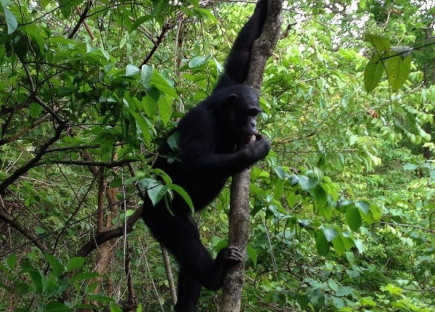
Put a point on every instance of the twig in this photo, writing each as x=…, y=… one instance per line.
x=168, y=269
x=88, y=29
x=81, y=19
x=103, y=237
x=33, y=162
x=167, y=26
x=17, y=135
x=408, y=225
x=47, y=108
x=113, y=164
x=25, y=232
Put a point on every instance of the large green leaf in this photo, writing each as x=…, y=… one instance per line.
x=322, y=244
x=329, y=233
x=184, y=195
x=156, y=193
x=11, y=261
x=373, y=73
x=75, y=263
x=338, y=244
x=398, y=69
x=55, y=265
x=143, y=126
x=381, y=44
x=165, y=108
x=197, y=61
x=131, y=70
x=11, y=21
x=56, y=306
x=353, y=218
x=162, y=84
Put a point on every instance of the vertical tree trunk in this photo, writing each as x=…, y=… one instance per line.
x=239, y=219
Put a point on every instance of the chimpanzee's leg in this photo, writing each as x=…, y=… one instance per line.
x=179, y=233
x=188, y=293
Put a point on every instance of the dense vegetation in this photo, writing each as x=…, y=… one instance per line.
x=342, y=208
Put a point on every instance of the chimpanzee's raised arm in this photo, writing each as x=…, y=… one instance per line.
x=237, y=63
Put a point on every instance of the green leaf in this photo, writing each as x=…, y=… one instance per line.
x=156, y=193
x=338, y=245
x=162, y=84
x=409, y=167
x=392, y=289
x=322, y=244
x=165, y=109
x=353, y=218
x=56, y=306
x=85, y=276
x=173, y=140
x=378, y=42
x=36, y=278
x=39, y=230
x=197, y=61
x=184, y=195
x=320, y=200
x=11, y=21
x=206, y=14
x=376, y=212
x=129, y=213
x=252, y=254
x=143, y=126
x=363, y=206
x=37, y=35
x=114, y=308
x=150, y=103
x=146, y=72
x=131, y=70
x=75, y=263
x=373, y=73
x=11, y=261
x=359, y=245
x=55, y=265
x=311, y=179
x=398, y=69
x=329, y=233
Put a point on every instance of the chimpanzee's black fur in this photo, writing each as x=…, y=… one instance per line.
x=208, y=136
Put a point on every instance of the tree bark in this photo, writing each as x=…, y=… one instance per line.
x=239, y=218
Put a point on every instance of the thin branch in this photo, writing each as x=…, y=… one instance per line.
x=88, y=29
x=44, y=236
x=409, y=226
x=17, y=135
x=113, y=164
x=25, y=232
x=47, y=108
x=169, y=274
x=81, y=19
x=33, y=162
x=76, y=210
x=167, y=26
x=103, y=237
x=72, y=148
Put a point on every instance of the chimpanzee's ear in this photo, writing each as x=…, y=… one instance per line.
x=232, y=98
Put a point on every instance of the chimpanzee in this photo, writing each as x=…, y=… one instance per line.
x=211, y=148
